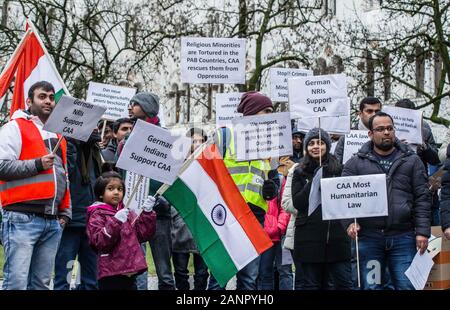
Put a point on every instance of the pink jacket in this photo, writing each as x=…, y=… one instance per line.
x=276, y=219
x=118, y=244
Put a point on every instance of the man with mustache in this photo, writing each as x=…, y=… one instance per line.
x=391, y=240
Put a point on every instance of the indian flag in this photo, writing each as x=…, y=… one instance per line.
x=29, y=64
x=227, y=233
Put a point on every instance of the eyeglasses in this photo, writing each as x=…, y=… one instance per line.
x=383, y=129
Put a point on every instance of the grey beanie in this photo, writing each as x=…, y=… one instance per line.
x=314, y=134
x=149, y=103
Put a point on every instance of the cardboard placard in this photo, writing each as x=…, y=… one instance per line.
x=354, y=197
x=263, y=136
x=153, y=152
x=74, y=118
x=279, y=82
x=212, y=60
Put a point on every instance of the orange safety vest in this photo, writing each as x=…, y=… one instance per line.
x=40, y=186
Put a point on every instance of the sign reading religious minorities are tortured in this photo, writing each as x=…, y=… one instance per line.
x=153, y=152
x=226, y=108
x=263, y=136
x=142, y=192
x=74, y=118
x=314, y=96
x=354, y=197
x=279, y=82
x=114, y=98
x=407, y=123
x=353, y=142
x=212, y=60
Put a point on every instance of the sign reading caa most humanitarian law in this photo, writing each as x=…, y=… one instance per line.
x=212, y=60
x=354, y=197
x=74, y=118
x=142, y=192
x=114, y=98
x=314, y=96
x=153, y=152
x=408, y=124
x=226, y=108
x=279, y=81
x=263, y=136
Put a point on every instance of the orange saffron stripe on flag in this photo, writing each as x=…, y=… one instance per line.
x=212, y=163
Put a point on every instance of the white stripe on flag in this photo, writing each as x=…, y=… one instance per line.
x=42, y=72
x=233, y=237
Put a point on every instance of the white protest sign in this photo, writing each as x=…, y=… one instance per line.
x=353, y=142
x=141, y=193
x=153, y=152
x=279, y=82
x=74, y=118
x=226, y=106
x=314, y=96
x=407, y=122
x=114, y=98
x=354, y=197
x=263, y=136
x=212, y=60
x=339, y=125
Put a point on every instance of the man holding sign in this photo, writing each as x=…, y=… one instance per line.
x=391, y=241
x=34, y=193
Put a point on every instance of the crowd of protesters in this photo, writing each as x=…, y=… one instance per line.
x=68, y=205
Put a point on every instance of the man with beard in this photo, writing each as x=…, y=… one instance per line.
x=297, y=144
x=391, y=240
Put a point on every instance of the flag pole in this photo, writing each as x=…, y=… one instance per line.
x=57, y=145
x=320, y=151
x=34, y=30
x=16, y=51
x=357, y=257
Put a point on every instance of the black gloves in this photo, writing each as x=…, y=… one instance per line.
x=269, y=190
x=162, y=206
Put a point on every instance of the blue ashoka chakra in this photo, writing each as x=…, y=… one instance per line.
x=219, y=215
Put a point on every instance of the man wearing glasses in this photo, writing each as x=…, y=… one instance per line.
x=391, y=241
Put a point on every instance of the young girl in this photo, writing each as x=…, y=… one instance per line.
x=115, y=234
x=321, y=248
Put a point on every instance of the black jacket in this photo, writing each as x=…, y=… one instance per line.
x=445, y=194
x=409, y=199
x=316, y=240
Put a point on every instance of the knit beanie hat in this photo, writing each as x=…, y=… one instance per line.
x=314, y=134
x=252, y=102
x=149, y=103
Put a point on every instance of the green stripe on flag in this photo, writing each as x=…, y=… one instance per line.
x=211, y=247
x=58, y=94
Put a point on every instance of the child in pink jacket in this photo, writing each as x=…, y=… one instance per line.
x=116, y=233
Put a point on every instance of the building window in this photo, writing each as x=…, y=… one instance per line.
x=420, y=69
x=329, y=7
x=4, y=15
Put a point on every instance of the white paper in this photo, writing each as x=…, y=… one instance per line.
x=434, y=246
x=153, y=152
x=114, y=98
x=354, y=197
x=74, y=118
x=407, y=122
x=419, y=270
x=279, y=82
x=314, y=96
x=141, y=194
x=353, y=143
x=213, y=60
x=226, y=108
x=332, y=124
x=263, y=136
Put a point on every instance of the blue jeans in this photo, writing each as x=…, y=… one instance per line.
x=161, y=245
x=74, y=242
x=30, y=243
x=270, y=258
x=378, y=253
x=180, y=264
x=325, y=276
